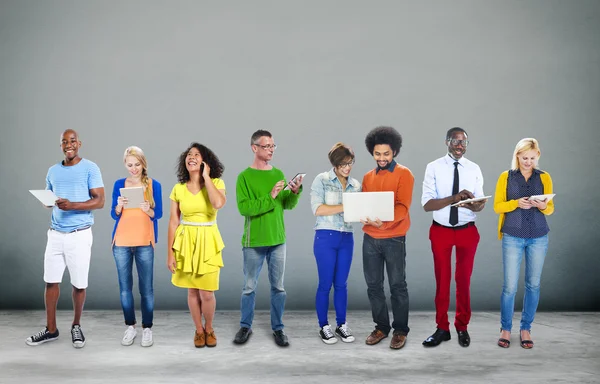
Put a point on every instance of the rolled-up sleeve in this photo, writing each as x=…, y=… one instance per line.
x=429, y=190
x=317, y=194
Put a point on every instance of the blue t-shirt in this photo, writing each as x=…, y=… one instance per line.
x=73, y=183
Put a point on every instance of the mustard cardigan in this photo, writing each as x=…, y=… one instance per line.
x=501, y=206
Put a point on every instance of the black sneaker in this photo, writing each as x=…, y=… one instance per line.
x=344, y=332
x=77, y=336
x=242, y=335
x=42, y=337
x=281, y=338
x=327, y=335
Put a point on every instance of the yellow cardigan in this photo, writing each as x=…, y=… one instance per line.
x=501, y=206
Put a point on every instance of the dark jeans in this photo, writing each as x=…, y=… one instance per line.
x=391, y=253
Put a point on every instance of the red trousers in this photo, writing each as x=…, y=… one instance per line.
x=442, y=240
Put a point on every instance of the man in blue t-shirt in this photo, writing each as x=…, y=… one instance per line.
x=78, y=185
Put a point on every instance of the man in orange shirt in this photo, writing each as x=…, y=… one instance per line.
x=384, y=243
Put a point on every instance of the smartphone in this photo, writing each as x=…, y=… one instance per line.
x=295, y=178
x=201, y=169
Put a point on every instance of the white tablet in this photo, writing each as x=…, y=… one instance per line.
x=134, y=195
x=45, y=196
x=542, y=197
x=470, y=201
x=373, y=205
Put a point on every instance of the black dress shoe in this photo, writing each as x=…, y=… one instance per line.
x=438, y=336
x=281, y=338
x=242, y=335
x=463, y=338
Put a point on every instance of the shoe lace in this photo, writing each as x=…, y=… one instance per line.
x=327, y=332
x=345, y=330
x=76, y=333
x=40, y=334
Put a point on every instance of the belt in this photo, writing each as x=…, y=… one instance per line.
x=73, y=231
x=469, y=224
x=195, y=224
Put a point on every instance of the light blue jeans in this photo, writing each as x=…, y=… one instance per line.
x=144, y=262
x=254, y=258
x=512, y=254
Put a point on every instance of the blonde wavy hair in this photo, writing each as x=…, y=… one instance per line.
x=139, y=155
x=524, y=145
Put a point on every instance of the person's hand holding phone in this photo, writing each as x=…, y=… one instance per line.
x=295, y=184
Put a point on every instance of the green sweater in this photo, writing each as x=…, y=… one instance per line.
x=263, y=224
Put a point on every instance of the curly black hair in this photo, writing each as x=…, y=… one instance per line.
x=384, y=135
x=208, y=156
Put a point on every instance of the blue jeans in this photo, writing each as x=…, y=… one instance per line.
x=144, y=262
x=390, y=253
x=254, y=258
x=333, y=253
x=512, y=254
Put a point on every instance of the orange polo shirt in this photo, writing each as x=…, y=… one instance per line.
x=400, y=181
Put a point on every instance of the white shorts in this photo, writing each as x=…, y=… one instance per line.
x=73, y=250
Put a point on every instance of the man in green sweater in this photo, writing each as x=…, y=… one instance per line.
x=262, y=195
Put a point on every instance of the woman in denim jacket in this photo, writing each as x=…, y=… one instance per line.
x=334, y=241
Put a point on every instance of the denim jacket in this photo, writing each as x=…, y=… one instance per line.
x=327, y=189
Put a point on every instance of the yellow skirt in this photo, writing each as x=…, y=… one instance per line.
x=197, y=251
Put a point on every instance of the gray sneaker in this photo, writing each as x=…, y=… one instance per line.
x=77, y=336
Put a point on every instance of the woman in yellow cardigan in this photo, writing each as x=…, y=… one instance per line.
x=522, y=227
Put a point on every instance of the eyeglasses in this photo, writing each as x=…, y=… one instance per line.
x=344, y=165
x=273, y=147
x=455, y=142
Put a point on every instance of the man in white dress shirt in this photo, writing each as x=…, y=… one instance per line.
x=453, y=227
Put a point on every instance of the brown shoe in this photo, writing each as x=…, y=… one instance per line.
x=375, y=337
x=211, y=339
x=199, y=340
x=398, y=341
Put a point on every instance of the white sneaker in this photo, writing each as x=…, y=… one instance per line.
x=327, y=335
x=147, y=337
x=344, y=333
x=129, y=335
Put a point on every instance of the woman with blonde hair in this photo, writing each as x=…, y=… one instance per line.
x=522, y=227
x=195, y=245
x=334, y=241
x=133, y=239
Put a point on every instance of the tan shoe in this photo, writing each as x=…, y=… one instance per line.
x=199, y=340
x=211, y=339
x=398, y=341
x=375, y=337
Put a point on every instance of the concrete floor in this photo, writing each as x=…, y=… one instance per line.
x=566, y=350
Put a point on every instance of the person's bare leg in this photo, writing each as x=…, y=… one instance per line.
x=195, y=306
x=209, y=304
x=51, y=299
x=78, y=301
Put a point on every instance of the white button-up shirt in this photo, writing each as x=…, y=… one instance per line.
x=438, y=182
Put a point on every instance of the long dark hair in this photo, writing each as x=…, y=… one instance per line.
x=208, y=156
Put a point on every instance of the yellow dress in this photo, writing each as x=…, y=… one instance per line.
x=197, y=248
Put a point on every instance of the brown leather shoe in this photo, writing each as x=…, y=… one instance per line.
x=398, y=341
x=199, y=340
x=211, y=339
x=375, y=337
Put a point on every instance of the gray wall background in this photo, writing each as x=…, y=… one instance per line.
x=161, y=74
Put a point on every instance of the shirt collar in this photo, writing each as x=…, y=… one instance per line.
x=390, y=167
x=450, y=160
x=333, y=176
x=535, y=171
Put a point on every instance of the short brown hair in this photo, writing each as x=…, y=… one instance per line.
x=340, y=152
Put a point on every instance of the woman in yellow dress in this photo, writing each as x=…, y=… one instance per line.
x=194, y=255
